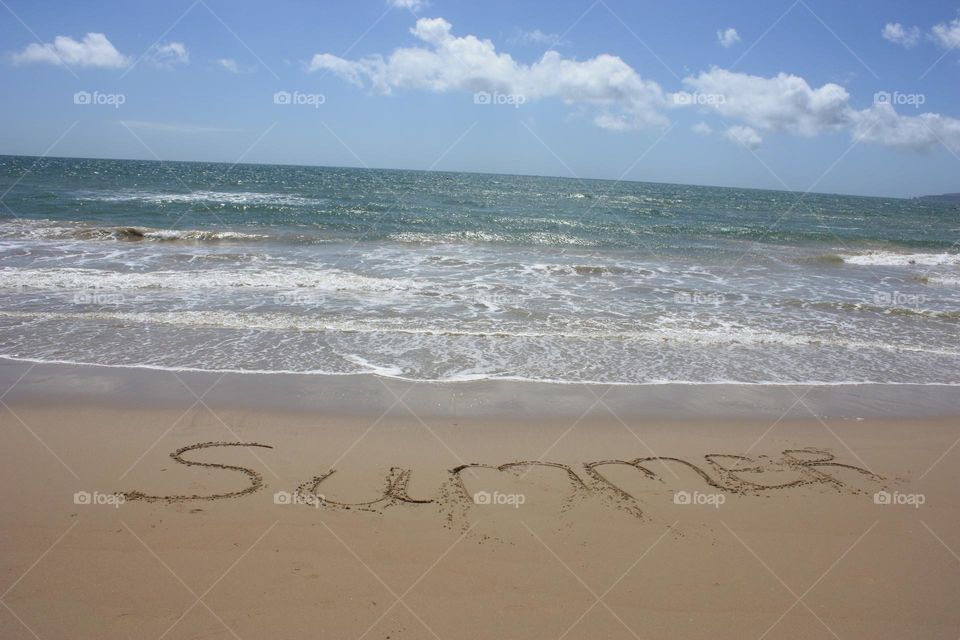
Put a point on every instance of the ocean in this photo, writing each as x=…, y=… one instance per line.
x=439, y=276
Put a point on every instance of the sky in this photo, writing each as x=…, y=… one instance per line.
x=859, y=97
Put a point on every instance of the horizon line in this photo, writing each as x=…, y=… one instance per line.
x=488, y=173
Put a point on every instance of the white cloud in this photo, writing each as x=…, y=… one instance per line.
x=93, y=51
x=229, y=64
x=620, y=98
x=881, y=124
x=536, y=37
x=781, y=103
x=947, y=34
x=746, y=137
x=899, y=34
x=728, y=37
x=168, y=55
x=352, y=72
x=786, y=103
x=412, y=5
x=702, y=128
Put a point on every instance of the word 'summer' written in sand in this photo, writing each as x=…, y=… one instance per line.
x=725, y=474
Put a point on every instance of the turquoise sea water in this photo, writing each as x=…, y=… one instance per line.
x=451, y=276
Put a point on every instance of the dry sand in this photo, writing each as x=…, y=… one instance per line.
x=786, y=541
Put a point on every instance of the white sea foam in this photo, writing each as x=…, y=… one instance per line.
x=193, y=234
x=889, y=258
x=57, y=230
x=476, y=377
x=250, y=198
x=724, y=336
x=270, y=278
x=534, y=238
x=446, y=238
x=943, y=281
x=380, y=370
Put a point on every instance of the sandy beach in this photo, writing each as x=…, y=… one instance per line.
x=412, y=522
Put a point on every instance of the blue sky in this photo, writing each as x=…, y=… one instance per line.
x=653, y=91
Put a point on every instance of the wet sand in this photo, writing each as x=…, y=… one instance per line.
x=451, y=512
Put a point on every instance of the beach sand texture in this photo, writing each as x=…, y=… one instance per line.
x=206, y=520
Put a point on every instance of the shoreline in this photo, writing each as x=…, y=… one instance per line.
x=480, y=379
x=358, y=395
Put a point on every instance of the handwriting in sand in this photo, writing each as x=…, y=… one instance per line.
x=724, y=472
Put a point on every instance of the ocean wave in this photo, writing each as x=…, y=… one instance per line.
x=890, y=310
x=942, y=281
x=826, y=258
x=241, y=198
x=546, y=239
x=892, y=259
x=414, y=237
x=200, y=279
x=53, y=230
x=558, y=239
x=586, y=269
x=190, y=234
x=723, y=336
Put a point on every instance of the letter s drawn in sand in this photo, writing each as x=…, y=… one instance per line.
x=256, y=480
